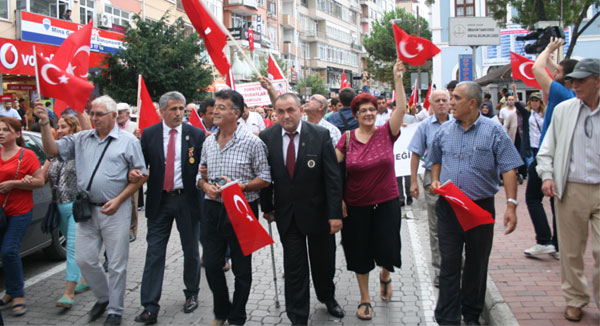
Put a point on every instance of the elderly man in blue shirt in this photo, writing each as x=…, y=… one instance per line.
x=419, y=146
x=471, y=152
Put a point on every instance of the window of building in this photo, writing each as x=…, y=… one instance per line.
x=180, y=5
x=304, y=3
x=51, y=8
x=87, y=9
x=464, y=8
x=118, y=16
x=4, y=9
x=237, y=21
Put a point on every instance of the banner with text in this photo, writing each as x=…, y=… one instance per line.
x=255, y=95
x=402, y=154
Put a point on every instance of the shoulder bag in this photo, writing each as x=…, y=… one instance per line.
x=3, y=218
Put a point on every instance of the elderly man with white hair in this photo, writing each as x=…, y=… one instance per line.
x=103, y=156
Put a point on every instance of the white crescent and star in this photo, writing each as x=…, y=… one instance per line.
x=458, y=201
x=522, y=68
x=237, y=199
x=44, y=73
x=402, y=46
x=71, y=69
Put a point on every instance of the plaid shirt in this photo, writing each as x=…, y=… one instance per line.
x=243, y=158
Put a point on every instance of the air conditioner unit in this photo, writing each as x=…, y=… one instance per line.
x=104, y=20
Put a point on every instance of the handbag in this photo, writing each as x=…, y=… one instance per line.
x=52, y=219
x=82, y=211
x=3, y=218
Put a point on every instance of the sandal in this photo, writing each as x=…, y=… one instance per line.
x=81, y=287
x=64, y=302
x=5, y=304
x=19, y=312
x=368, y=311
x=385, y=292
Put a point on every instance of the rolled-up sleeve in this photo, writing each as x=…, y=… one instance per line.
x=66, y=147
x=135, y=156
x=260, y=164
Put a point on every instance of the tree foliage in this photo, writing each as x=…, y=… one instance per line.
x=167, y=58
x=533, y=11
x=381, y=47
x=314, y=81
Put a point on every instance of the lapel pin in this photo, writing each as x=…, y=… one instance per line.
x=311, y=163
x=187, y=137
x=191, y=160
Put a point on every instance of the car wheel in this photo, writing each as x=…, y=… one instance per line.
x=58, y=249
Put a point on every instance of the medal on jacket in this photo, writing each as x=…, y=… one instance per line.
x=191, y=155
x=311, y=163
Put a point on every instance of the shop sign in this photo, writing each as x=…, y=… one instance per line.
x=44, y=29
x=21, y=87
x=6, y=98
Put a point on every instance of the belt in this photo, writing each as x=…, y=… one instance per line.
x=97, y=204
x=176, y=192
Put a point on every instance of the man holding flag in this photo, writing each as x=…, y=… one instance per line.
x=471, y=152
x=232, y=153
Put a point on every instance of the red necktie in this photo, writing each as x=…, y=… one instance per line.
x=170, y=165
x=290, y=158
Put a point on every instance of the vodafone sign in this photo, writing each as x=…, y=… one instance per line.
x=16, y=57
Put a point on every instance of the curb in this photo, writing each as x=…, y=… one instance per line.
x=495, y=310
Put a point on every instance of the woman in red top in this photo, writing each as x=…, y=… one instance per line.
x=18, y=207
x=371, y=232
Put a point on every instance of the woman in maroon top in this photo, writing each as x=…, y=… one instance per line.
x=371, y=232
x=18, y=208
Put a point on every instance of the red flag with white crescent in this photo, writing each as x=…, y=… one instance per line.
x=273, y=69
x=413, y=50
x=469, y=214
x=147, y=115
x=521, y=69
x=196, y=121
x=413, y=97
x=250, y=234
x=426, y=103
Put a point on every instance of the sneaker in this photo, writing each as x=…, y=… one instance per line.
x=539, y=249
x=555, y=255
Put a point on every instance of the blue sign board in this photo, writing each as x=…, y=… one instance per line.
x=465, y=67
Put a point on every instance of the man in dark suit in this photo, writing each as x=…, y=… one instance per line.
x=172, y=152
x=308, y=206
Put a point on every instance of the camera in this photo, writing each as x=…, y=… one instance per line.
x=542, y=38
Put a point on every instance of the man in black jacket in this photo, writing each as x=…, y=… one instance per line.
x=308, y=195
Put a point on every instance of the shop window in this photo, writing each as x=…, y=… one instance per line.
x=86, y=11
x=51, y=8
x=464, y=8
x=4, y=9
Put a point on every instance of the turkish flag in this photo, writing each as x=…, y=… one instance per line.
x=215, y=39
x=426, y=103
x=196, y=121
x=414, y=98
x=57, y=83
x=147, y=115
x=344, y=83
x=73, y=56
x=229, y=80
x=250, y=234
x=413, y=50
x=469, y=214
x=521, y=69
x=273, y=69
x=251, y=39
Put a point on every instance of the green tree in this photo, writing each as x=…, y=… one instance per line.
x=532, y=11
x=315, y=82
x=167, y=58
x=381, y=46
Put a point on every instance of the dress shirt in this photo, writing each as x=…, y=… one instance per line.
x=334, y=132
x=177, y=182
x=473, y=159
x=423, y=137
x=536, y=120
x=243, y=158
x=254, y=123
x=585, y=155
x=286, y=142
x=12, y=113
x=382, y=118
x=123, y=154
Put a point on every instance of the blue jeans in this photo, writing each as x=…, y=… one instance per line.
x=11, y=241
x=68, y=227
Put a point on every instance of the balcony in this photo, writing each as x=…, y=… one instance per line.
x=289, y=48
x=317, y=14
x=242, y=7
x=287, y=21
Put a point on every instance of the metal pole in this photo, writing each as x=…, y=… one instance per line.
x=274, y=271
x=418, y=67
x=474, y=64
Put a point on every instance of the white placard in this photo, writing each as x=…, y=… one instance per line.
x=401, y=153
x=255, y=95
x=473, y=31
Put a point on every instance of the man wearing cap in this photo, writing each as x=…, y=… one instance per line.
x=568, y=164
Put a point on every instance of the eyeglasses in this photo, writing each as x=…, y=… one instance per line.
x=364, y=111
x=98, y=114
x=588, y=127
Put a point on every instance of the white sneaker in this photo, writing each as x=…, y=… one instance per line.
x=539, y=249
x=555, y=255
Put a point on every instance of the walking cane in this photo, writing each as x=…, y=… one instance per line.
x=274, y=272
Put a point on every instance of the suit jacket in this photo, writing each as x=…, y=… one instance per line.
x=314, y=194
x=153, y=148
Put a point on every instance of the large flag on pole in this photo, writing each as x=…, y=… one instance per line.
x=250, y=234
x=521, y=69
x=147, y=113
x=273, y=71
x=215, y=39
x=469, y=214
x=413, y=50
x=58, y=83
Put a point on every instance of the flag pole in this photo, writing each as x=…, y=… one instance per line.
x=139, y=101
x=37, y=77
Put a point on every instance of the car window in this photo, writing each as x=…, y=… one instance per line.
x=31, y=144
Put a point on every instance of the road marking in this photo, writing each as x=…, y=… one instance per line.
x=424, y=280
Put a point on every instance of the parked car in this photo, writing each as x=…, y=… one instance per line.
x=53, y=244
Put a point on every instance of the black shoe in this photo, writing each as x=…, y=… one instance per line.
x=436, y=282
x=191, y=303
x=97, y=310
x=146, y=317
x=112, y=320
x=334, y=309
x=472, y=322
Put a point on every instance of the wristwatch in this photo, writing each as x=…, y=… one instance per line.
x=512, y=200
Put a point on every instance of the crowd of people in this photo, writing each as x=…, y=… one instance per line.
x=316, y=168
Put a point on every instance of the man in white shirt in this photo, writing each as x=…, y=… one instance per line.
x=254, y=122
x=9, y=111
x=508, y=117
x=383, y=113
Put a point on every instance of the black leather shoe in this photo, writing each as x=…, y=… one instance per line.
x=472, y=322
x=97, y=310
x=191, y=303
x=334, y=309
x=146, y=317
x=112, y=320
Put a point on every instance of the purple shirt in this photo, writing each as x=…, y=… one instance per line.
x=371, y=175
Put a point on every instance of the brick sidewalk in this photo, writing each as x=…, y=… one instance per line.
x=531, y=286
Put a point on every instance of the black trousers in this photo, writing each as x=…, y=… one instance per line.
x=533, y=199
x=172, y=208
x=216, y=234
x=296, y=257
x=404, y=188
x=469, y=298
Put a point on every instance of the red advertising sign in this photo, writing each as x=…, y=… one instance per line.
x=16, y=57
x=6, y=98
x=21, y=87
